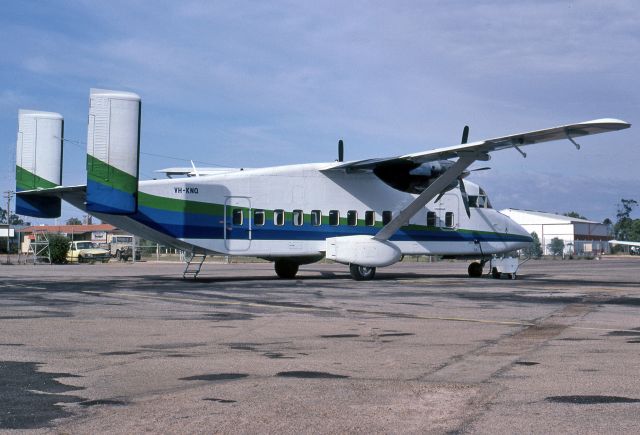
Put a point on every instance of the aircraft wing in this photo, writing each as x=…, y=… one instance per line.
x=569, y=132
x=623, y=242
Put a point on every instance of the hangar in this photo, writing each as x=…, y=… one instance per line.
x=580, y=236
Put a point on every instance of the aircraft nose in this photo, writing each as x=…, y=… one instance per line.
x=519, y=230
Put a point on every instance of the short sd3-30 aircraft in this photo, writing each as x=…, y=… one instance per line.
x=364, y=214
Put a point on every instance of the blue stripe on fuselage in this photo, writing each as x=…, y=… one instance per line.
x=201, y=226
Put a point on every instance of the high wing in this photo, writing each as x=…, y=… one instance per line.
x=569, y=132
x=467, y=154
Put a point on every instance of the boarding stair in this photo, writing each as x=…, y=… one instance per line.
x=193, y=264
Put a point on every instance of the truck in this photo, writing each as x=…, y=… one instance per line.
x=121, y=248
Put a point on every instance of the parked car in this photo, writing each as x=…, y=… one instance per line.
x=87, y=252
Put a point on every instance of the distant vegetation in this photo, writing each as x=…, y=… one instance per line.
x=625, y=227
x=534, y=250
x=574, y=214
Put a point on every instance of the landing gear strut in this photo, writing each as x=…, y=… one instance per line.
x=362, y=273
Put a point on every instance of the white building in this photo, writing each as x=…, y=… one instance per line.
x=580, y=236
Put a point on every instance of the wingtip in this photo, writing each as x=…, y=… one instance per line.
x=620, y=124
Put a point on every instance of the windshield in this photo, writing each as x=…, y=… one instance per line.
x=479, y=201
x=85, y=245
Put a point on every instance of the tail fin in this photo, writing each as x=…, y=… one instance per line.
x=38, y=161
x=113, y=145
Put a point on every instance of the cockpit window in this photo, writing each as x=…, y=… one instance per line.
x=479, y=201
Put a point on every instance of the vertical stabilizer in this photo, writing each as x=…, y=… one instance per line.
x=113, y=143
x=38, y=161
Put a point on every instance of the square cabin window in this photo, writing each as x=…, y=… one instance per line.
x=352, y=218
x=259, y=217
x=448, y=219
x=431, y=218
x=237, y=216
x=278, y=217
x=334, y=217
x=386, y=217
x=298, y=217
x=316, y=218
x=369, y=218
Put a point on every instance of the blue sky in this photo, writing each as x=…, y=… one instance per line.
x=253, y=83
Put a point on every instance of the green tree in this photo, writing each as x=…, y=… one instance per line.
x=534, y=250
x=74, y=221
x=623, y=228
x=58, y=248
x=556, y=246
x=574, y=214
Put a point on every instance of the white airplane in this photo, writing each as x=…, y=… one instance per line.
x=363, y=213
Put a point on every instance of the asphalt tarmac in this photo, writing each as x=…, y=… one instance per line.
x=126, y=348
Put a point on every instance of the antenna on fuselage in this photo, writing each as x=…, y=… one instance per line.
x=340, y=151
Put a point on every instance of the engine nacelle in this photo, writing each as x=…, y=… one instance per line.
x=363, y=251
x=38, y=161
x=412, y=177
x=113, y=143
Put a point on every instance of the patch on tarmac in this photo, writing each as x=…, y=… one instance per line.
x=216, y=377
x=310, y=375
x=591, y=400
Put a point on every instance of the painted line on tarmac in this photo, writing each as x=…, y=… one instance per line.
x=205, y=302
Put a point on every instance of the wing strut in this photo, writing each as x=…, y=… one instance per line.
x=464, y=161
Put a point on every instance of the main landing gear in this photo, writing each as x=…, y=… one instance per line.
x=475, y=269
x=362, y=273
x=286, y=269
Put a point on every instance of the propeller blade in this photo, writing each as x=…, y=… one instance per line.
x=486, y=168
x=465, y=197
x=440, y=197
x=465, y=134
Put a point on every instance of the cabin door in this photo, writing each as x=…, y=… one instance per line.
x=237, y=223
x=448, y=211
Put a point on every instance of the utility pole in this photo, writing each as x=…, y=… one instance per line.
x=8, y=194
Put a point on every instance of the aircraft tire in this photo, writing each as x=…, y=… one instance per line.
x=286, y=269
x=475, y=269
x=362, y=273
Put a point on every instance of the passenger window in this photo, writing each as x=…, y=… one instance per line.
x=369, y=218
x=258, y=217
x=448, y=219
x=352, y=218
x=298, y=217
x=431, y=218
x=237, y=216
x=316, y=218
x=278, y=217
x=334, y=217
x=386, y=217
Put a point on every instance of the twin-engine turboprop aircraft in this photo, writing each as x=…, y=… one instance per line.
x=365, y=213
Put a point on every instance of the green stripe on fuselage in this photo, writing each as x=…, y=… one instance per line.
x=103, y=173
x=26, y=180
x=188, y=206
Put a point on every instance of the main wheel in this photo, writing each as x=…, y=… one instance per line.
x=362, y=273
x=475, y=269
x=286, y=269
x=118, y=255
